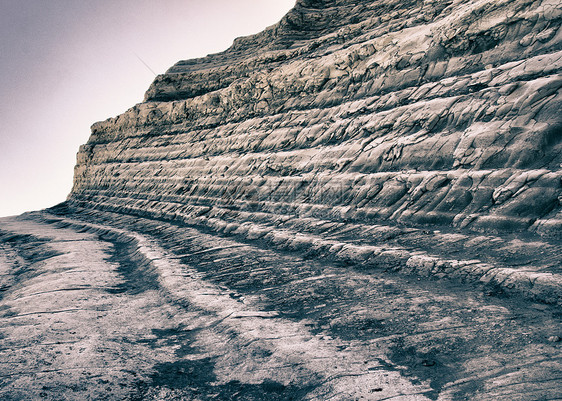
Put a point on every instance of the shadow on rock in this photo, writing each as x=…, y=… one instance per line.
x=194, y=379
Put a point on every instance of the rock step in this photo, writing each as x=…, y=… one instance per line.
x=400, y=40
x=518, y=84
x=352, y=245
x=508, y=199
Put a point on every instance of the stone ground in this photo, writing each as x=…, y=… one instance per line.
x=89, y=310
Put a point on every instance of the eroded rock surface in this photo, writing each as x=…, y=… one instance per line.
x=91, y=310
x=441, y=112
x=380, y=117
x=237, y=236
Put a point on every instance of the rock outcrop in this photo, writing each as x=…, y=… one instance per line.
x=365, y=137
x=417, y=112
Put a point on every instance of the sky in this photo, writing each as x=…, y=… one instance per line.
x=65, y=64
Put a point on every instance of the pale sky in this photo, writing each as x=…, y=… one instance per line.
x=65, y=64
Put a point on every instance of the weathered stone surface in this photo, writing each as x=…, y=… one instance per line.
x=443, y=112
x=115, y=307
x=237, y=235
x=417, y=114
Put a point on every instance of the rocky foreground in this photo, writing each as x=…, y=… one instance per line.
x=364, y=201
x=91, y=310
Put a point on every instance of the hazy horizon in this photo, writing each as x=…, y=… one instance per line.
x=66, y=65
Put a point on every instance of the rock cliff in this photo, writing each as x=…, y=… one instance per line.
x=349, y=128
x=417, y=112
x=365, y=137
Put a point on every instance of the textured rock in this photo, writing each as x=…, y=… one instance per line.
x=346, y=139
x=442, y=112
x=236, y=235
x=116, y=307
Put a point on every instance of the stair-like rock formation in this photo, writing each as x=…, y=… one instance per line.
x=365, y=137
x=362, y=117
x=443, y=112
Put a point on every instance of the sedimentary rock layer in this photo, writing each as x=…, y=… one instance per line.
x=418, y=112
x=236, y=235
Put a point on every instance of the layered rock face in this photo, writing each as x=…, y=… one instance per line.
x=415, y=112
x=366, y=138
